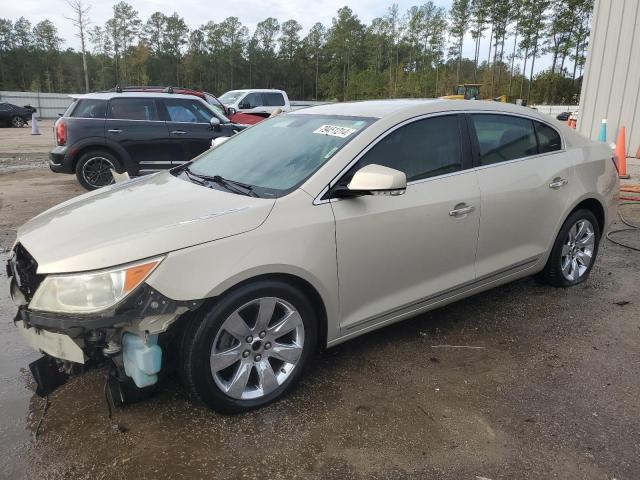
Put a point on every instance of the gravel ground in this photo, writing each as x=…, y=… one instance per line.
x=550, y=390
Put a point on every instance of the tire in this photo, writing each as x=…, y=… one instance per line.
x=93, y=169
x=17, y=122
x=234, y=373
x=573, y=244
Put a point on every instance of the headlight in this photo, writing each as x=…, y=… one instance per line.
x=90, y=291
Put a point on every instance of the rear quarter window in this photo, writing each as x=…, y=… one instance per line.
x=548, y=138
x=504, y=137
x=88, y=108
x=273, y=99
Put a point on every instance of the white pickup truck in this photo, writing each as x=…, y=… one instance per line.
x=256, y=101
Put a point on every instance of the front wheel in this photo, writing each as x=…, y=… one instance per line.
x=250, y=348
x=574, y=251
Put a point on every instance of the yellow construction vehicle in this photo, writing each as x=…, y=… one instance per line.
x=467, y=91
x=471, y=91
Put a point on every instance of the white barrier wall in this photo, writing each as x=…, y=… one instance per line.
x=49, y=105
x=612, y=73
x=554, y=110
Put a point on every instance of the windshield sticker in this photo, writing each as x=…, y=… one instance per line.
x=334, y=131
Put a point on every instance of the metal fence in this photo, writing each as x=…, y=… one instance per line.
x=554, y=110
x=49, y=105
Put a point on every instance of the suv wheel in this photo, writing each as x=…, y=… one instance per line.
x=574, y=251
x=17, y=122
x=93, y=169
x=250, y=348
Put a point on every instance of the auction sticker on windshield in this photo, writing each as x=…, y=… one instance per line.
x=334, y=131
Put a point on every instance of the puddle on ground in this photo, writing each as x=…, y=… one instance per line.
x=15, y=378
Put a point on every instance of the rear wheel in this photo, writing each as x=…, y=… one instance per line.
x=250, y=348
x=17, y=122
x=93, y=169
x=574, y=251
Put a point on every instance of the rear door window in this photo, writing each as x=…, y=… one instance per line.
x=90, y=108
x=252, y=100
x=273, y=99
x=133, y=109
x=187, y=111
x=5, y=107
x=548, y=138
x=504, y=137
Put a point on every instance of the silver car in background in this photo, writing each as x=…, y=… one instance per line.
x=302, y=232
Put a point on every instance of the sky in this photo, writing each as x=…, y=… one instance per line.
x=198, y=12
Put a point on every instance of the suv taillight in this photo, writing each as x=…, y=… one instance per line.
x=61, y=132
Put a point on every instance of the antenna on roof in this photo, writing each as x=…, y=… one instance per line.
x=169, y=90
x=118, y=89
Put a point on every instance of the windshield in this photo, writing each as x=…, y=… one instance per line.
x=231, y=96
x=276, y=156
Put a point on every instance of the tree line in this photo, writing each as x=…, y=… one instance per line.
x=415, y=53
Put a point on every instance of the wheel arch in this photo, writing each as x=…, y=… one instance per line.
x=595, y=207
x=589, y=202
x=306, y=287
x=120, y=156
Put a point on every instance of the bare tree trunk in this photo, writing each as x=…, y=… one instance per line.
x=524, y=69
x=81, y=21
x=513, y=57
x=533, y=60
x=317, y=67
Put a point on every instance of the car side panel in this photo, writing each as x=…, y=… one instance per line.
x=297, y=239
x=520, y=211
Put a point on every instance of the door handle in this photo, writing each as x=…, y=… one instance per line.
x=461, y=210
x=114, y=130
x=178, y=132
x=558, y=183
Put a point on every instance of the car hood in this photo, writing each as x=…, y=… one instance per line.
x=137, y=219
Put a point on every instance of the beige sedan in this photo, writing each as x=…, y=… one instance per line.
x=302, y=232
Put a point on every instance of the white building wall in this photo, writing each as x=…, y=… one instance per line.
x=611, y=85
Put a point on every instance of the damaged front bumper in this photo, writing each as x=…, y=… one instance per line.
x=129, y=337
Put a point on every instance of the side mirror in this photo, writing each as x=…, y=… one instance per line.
x=215, y=123
x=231, y=111
x=375, y=180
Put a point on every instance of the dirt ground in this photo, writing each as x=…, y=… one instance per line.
x=545, y=385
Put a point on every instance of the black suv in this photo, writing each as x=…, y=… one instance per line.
x=136, y=132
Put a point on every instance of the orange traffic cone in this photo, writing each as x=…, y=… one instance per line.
x=621, y=154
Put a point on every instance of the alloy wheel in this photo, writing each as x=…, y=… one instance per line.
x=17, y=122
x=97, y=172
x=577, y=250
x=257, y=348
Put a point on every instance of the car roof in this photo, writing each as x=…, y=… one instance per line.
x=142, y=94
x=256, y=90
x=412, y=107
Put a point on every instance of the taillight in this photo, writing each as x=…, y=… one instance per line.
x=614, y=159
x=61, y=132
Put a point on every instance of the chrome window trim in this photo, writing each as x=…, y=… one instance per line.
x=127, y=120
x=319, y=201
x=529, y=117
